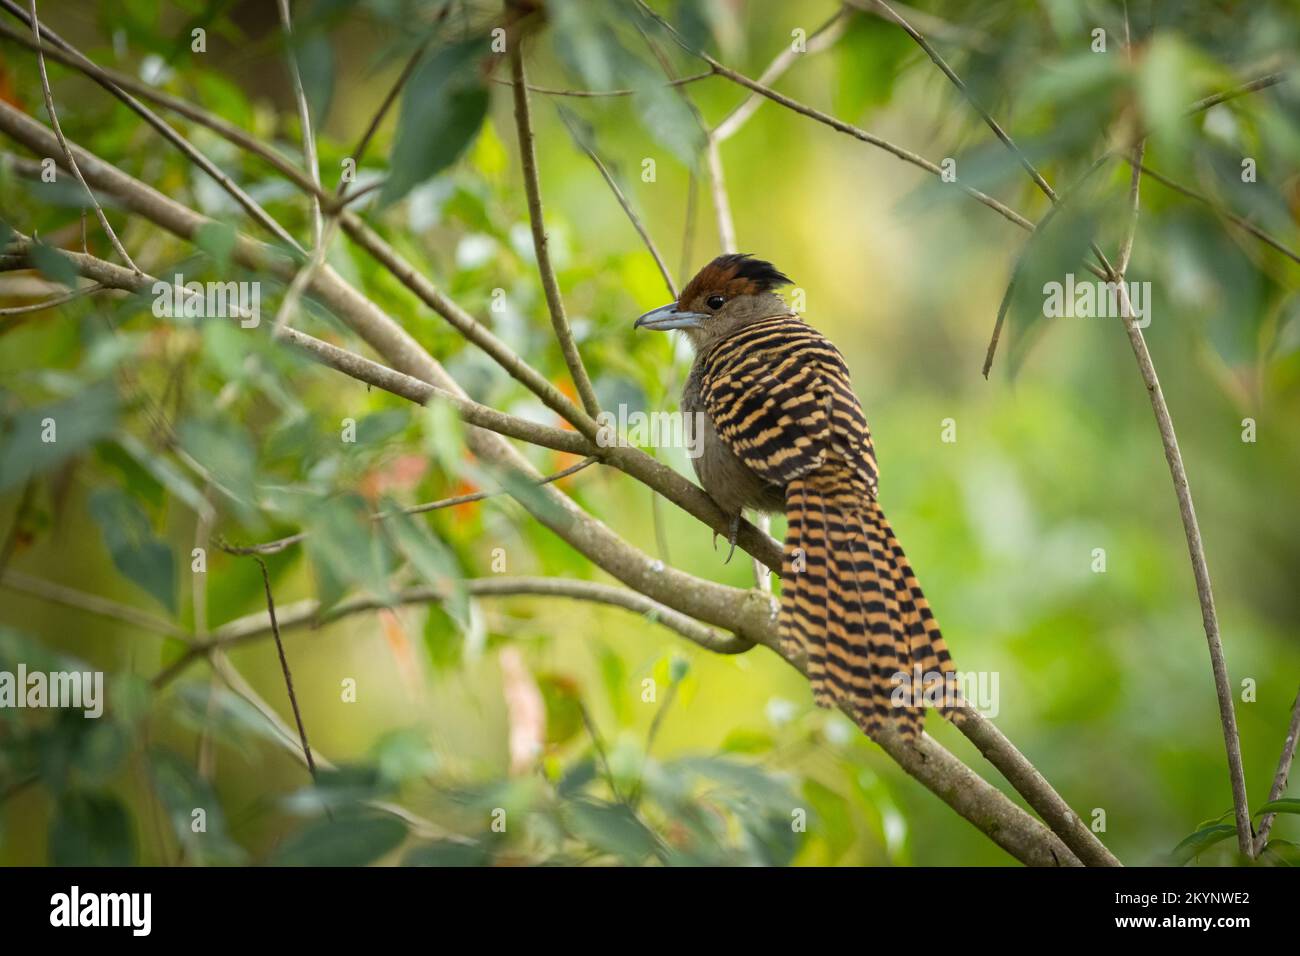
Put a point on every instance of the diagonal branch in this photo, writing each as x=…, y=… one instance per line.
x=839, y=125
x=1238, y=221
x=1281, y=775
x=284, y=669
x=259, y=214
x=820, y=39
x=63, y=144
x=639, y=226
x=541, y=245
x=304, y=122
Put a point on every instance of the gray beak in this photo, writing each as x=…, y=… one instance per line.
x=667, y=317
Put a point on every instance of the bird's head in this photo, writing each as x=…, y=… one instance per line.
x=730, y=292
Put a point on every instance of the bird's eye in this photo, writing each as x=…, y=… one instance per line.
x=715, y=301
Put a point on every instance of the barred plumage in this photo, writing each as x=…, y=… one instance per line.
x=784, y=429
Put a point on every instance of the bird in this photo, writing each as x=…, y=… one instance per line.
x=779, y=430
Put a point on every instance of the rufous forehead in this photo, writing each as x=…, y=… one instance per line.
x=712, y=279
x=732, y=275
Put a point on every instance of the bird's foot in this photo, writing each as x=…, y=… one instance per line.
x=732, y=534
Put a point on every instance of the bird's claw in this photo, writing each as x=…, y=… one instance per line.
x=732, y=534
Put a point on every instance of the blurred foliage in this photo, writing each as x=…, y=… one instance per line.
x=723, y=760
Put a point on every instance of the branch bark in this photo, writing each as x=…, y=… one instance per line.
x=541, y=244
x=1281, y=776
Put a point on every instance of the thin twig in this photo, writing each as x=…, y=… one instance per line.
x=820, y=39
x=391, y=97
x=349, y=363
x=721, y=204
x=284, y=668
x=91, y=603
x=1259, y=83
x=280, y=544
x=839, y=125
x=63, y=144
x=989, y=121
x=304, y=120
x=599, y=746
x=541, y=245
x=302, y=279
x=588, y=94
x=16, y=526
x=51, y=303
x=307, y=614
x=582, y=144
x=1021, y=257
x=1227, y=214
x=260, y=215
x=1281, y=775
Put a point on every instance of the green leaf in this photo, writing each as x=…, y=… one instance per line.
x=36, y=440
x=91, y=829
x=1284, y=852
x=53, y=264
x=563, y=699
x=226, y=452
x=444, y=436
x=586, y=43
x=346, y=549
x=315, y=56
x=1285, y=805
x=443, y=639
x=446, y=853
x=443, y=107
x=181, y=792
x=1200, y=841
x=613, y=674
x=430, y=558
x=611, y=828
x=668, y=119
x=402, y=755
x=139, y=555
x=340, y=787
x=868, y=59
x=347, y=840
x=226, y=715
x=165, y=473
x=217, y=239
x=374, y=429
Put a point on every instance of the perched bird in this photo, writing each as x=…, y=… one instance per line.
x=783, y=431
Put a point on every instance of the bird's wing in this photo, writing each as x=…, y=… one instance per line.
x=780, y=398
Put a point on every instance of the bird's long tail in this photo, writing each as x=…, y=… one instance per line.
x=851, y=603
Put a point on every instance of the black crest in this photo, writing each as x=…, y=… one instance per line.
x=741, y=265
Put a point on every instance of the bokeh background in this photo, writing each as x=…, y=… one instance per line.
x=1104, y=677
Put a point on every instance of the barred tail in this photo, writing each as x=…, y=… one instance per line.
x=851, y=603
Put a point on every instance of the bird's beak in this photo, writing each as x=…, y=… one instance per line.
x=667, y=317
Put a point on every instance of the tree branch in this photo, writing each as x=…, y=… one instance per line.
x=259, y=214
x=1280, y=777
x=63, y=144
x=541, y=245
x=640, y=228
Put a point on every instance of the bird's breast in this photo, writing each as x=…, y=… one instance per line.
x=727, y=479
